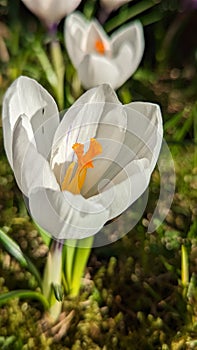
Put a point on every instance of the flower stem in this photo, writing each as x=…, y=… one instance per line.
x=59, y=67
x=70, y=253
x=52, y=277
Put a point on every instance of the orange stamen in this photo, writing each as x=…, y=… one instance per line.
x=85, y=161
x=100, y=47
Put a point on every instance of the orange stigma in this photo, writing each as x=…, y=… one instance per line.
x=75, y=183
x=100, y=47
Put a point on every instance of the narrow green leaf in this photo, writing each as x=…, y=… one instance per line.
x=173, y=121
x=7, y=342
x=184, y=266
x=153, y=17
x=46, y=65
x=13, y=248
x=31, y=267
x=45, y=236
x=58, y=291
x=180, y=134
x=24, y=294
x=82, y=253
x=128, y=13
x=59, y=67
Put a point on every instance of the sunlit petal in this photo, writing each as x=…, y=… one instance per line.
x=64, y=215
x=30, y=168
x=26, y=96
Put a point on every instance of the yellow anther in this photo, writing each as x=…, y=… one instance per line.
x=100, y=47
x=85, y=161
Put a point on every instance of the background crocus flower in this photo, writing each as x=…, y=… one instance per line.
x=111, y=5
x=98, y=58
x=51, y=11
x=85, y=170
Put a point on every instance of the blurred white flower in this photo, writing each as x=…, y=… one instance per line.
x=51, y=11
x=98, y=58
x=111, y=5
x=85, y=170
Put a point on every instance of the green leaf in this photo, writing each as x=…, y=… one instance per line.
x=128, y=13
x=8, y=341
x=82, y=253
x=173, y=121
x=13, y=248
x=58, y=291
x=45, y=236
x=46, y=65
x=180, y=134
x=24, y=294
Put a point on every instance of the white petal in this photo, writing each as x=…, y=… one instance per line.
x=137, y=157
x=51, y=11
x=125, y=63
x=145, y=131
x=26, y=96
x=75, y=32
x=132, y=34
x=81, y=36
x=96, y=69
x=111, y=5
x=103, y=93
x=110, y=134
x=66, y=216
x=80, y=122
x=30, y=168
x=125, y=188
x=95, y=33
x=128, y=48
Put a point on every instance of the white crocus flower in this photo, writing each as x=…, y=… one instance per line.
x=51, y=11
x=86, y=169
x=101, y=59
x=111, y=5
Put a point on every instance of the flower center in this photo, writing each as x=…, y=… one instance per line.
x=75, y=183
x=99, y=47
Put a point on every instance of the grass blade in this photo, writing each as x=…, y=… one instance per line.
x=13, y=249
x=23, y=294
x=128, y=13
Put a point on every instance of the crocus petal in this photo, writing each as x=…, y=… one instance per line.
x=125, y=188
x=26, y=96
x=111, y=5
x=145, y=137
x=110, y=134
x=51, y=11
x=142, y=143
x=95, y=70
x=80, y=122
x=132, y=36
x=75, y=30
x=95, y=33
x=66, y=216
x=30, y=168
